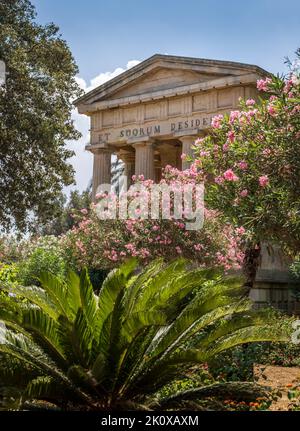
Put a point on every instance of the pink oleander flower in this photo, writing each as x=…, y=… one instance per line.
x=84, y=211
x=234, y=115
x=219, y=180
x=178, y=250
x=295, y=79
x=197, y=163
x=250, y=102
x=199, y=141
x=263, y=84
x=204, y=153
x=244, y=193
x=225, y=147
x=250, y=114
x=243, y=165
x=288, y=86
x=244, y=118
x=216, y=121
x=271, y=110
x=183, y=156
x=155, y=228
x=266, y=152
x=229, y=175
x=231, y=135
x=80, y=246
x=263, y=181
x=100, y=195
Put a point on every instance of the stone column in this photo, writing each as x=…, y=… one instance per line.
x=168, y=154
x=128, y=159
x=187, y=143
x=102, y=168
x=129, y=171
x=144, y=159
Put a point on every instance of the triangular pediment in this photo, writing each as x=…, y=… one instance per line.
x=161, y=78
x=163, y=73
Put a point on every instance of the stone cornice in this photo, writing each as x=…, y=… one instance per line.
x=98, y=148
x=219, y=83
x=212, y=67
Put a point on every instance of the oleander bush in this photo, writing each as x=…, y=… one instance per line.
x=250, y=161
x=104, y=243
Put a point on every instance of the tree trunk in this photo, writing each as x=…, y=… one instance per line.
x=251, y=264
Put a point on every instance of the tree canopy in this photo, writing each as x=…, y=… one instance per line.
x=67, y=209
x=35, y=116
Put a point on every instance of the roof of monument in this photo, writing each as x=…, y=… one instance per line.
x=214, y=68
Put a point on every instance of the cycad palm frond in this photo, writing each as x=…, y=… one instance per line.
x=125, y=344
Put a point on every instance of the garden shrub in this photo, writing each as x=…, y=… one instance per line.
x=104, y=243
x=9, y=273
x=43, y=254
x=295, y=268
x=11, y=249
x=237, y=364
x=250, y=162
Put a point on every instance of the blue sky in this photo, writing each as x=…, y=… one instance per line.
x=106, y=35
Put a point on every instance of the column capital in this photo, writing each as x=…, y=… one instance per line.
x=142, y=140
x=188, y=139
x=99, y=149
x=126, y=156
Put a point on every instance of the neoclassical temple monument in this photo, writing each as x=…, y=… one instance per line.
x=151, y=114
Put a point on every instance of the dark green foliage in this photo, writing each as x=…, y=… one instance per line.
x=35, y=120
x=295, y=268
x=120, y=348
x=67, y=209
x=44, y=254
x=237, y=364
x=97, y=276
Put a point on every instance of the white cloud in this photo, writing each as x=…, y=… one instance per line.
x=104, y=77
x=82, y=161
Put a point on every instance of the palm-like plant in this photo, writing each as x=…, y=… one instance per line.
x=118, y=349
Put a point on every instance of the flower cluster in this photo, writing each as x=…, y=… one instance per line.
x=100, y=243
x=261, y=403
